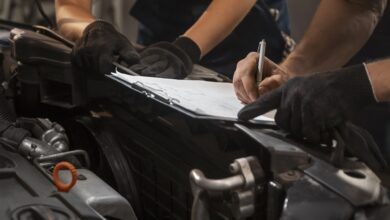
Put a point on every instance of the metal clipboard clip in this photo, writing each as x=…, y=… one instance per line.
x=153, y=93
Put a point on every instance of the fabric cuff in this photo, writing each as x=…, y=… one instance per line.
x=369, y=79
x=358, y=81
x=190, y=47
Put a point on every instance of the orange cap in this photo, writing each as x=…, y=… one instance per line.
x=61, y=186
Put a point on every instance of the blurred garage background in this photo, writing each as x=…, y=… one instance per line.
x=116, y=11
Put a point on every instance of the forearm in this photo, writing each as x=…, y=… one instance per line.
x=338, y=31
x=73, y=16
x=217, y=22
x=379, y=73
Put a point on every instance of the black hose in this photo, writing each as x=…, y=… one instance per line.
x=6, y=114
x=44, y=15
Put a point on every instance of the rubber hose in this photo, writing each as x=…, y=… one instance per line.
x=6, y=113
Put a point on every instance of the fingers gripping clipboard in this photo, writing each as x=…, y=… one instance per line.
x=195, y=98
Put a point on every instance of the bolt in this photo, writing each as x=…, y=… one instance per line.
x=81, y=177
x=291, y=173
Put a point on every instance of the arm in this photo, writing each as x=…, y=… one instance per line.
x=98, y=43
x=73, y=16
x=338, y=30
x=217, y=22
x=380, y=77
x=176, y=59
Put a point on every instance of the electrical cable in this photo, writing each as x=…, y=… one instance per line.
x=43, y=14
x=8, y=144
x=51, y=33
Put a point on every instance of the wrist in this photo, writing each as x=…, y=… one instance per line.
x=99, y=24
x=294, y=65
x=189, y=47
x=72, y=30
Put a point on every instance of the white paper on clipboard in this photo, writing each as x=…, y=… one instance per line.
x=202, y=97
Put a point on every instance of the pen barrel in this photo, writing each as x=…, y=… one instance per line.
x=260, y=62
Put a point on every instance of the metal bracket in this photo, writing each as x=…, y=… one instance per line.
x=57, y=157
x=51, y=141
x=241, y=187
x=359, y=186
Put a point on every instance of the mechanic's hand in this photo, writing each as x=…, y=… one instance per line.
x=99, y=46
x=244, y=79
x=310, y=107
x=168, y=60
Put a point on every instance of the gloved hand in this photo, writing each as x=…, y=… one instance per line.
x=99, y=46
x=310, y=107
x=168, y=60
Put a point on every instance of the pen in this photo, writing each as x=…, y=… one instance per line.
x=260, y=61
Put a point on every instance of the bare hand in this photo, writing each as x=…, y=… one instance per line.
x=244, y=79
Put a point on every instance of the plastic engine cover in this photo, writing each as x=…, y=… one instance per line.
x=27, y=194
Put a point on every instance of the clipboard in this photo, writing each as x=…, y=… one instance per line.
x=171, y=103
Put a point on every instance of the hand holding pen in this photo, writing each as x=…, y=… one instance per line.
x=255, y=75
x=269, y=75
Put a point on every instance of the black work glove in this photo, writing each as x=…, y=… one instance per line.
x=310, y=107
x=168, y=60
x=99, y=46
